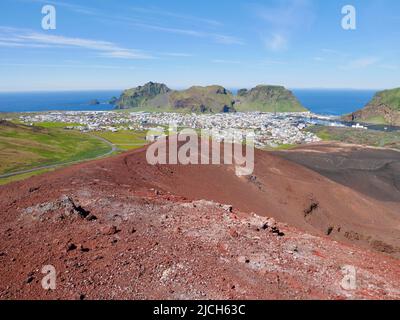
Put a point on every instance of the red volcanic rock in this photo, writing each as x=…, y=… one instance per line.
x=183, y=244
x=109, y=230
x=70, y=247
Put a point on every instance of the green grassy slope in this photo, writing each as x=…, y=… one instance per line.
x=357, y=136
x=125, y=140
x=384, y=108
x=390, y=98
x=23, y=147
x=157, y=97
x=268, y=99
x=213, y=99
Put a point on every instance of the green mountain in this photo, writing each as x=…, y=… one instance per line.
x=268, y=99
x=210, y=99
x=149, y=95
x=384, y=108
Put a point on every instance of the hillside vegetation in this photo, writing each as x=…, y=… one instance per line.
x=356, y=136
x=209, y=99
x=24, y=147
x=384, y=108
x=268, y=99
x=125, y=140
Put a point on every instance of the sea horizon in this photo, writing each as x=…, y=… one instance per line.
x=332, y=101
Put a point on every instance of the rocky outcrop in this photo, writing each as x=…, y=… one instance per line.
x=141, y=96
x=384, y=108
x=209, y=99
x=113, y=101
x=268, y=99
x=194, y=232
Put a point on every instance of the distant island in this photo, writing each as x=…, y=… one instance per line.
x=94, y=102
x=210, y=99
x=384, y=108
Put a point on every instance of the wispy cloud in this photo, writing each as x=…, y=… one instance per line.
x=11, y=44
x=283, y=19
x=185, y=17
x=125, y=54
x=223, y=61
x=218, y=38
x=335, y=53
x=363, y=62
x=187, y=32
x=142, y=23
x=273, y=62
x=28, y=39
x=223, y=39
x=57, y=66
x=345, y=60
x=276, y=42
x=287, y=14
x=389, y=67
x=73, y=7
x=177, y=54
x=330, y=51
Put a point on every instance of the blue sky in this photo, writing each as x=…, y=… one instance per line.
x=104, y=44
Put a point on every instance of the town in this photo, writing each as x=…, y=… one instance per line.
x=271, y=130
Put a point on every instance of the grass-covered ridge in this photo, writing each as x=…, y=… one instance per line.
x=198, y=99
x=25, y=147
x=155, y=97
x=268, y=99
x=384, y=108
x=125, y=139
x=390, y=98
x=357, y=136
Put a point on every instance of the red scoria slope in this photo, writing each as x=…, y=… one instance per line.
x=121, y=229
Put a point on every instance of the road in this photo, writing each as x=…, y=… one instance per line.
x=52, y=166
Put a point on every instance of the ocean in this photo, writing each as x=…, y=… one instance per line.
x=333, y=102
x=61, y=101
x=327, y=102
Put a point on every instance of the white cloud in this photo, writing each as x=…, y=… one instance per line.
x=23, y=38
x=334, y=53
x=276, y=42
x=287, y=14
x=124, y=54
x=223, y=39
x=142, y=10
x=330, y=51
x=57, y=66
x=190, y=18
x=284, y=19
x=72, y=7
x=12, y=44
x=187, y=32
x=223, y=61
x=218, y=38
x=273, y=62
x=178, y=54
x=363, y=62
